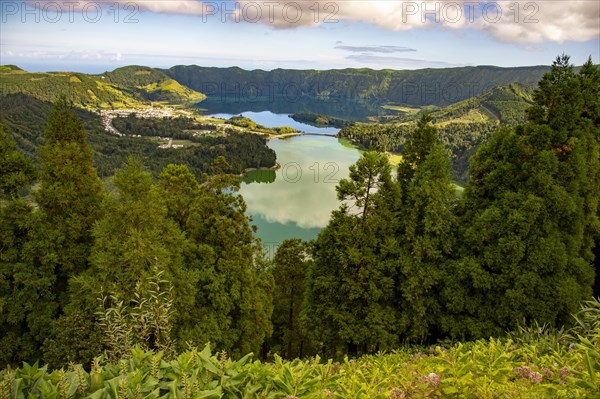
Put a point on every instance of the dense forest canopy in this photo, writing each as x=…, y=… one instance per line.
x=421, y=87
x=24, y=117
x=170, y=261
x=175, y=127
x=108, y=251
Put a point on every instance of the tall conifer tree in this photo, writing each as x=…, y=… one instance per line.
x=426, y=230
x=350, y=287
x=529, y=214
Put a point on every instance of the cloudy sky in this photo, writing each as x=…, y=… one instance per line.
x=94, y=36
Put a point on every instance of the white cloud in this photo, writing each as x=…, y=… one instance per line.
x=397, y=62
x=286, y=14
x=171, y=6
x=386, y=49
x=539, y=21
x=505, y=20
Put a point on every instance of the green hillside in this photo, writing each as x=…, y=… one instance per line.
x=11, y=69
x=132, y=85
x=25, y=117
x=135, y=76
x=128, y=87
x=83, y=90
x=152, y=84
x=462, y=126
x=504, y=104
x=438, y=87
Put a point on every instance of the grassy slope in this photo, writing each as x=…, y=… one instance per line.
x=502, y=104
x=83, y=90
x=11, y=68
x=25, y=118
x=128, y=87
x=152, y=84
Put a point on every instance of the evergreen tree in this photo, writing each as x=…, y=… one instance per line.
x=370, y=174
x=422, y=141
x=290, y=265
x=180, y=189
x=58, y=239
x=426, y=238
x=16, y=170
x=133, y=242
x=69, y=200
x=233, y=303
x=16, y=173
x=350, y=288
x=135, y=238
x=20, y=287
x=529, y=215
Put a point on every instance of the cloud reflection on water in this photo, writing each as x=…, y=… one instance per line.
x=306, y=200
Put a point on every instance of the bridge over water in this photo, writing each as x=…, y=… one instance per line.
x=303, y=134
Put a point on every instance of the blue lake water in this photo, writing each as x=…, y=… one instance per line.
x=270, y=119
x=351, y=110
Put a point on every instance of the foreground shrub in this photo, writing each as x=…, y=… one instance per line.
x=482, y=369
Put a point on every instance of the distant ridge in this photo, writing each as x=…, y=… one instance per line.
x=10, y=68
x=130, y=85
x=85, y=91
x=439, y=87
x=127, y=87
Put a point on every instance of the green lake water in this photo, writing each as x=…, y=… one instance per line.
x=296, y=200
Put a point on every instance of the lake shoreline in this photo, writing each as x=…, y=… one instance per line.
x=288, y=135
x=277, y=166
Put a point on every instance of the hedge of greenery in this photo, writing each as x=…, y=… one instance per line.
x=535, y=364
